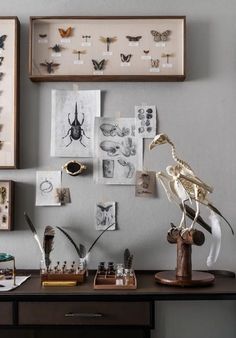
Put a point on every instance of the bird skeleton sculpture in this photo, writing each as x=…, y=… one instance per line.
x=181, y=185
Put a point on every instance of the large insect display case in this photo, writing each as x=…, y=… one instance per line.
x=6, y=204
x=9, y=91
x=107, y=48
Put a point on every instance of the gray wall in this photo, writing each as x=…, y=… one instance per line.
x=199, y=115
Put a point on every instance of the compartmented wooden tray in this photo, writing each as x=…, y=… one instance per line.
x=106, y=282
x=79, y=277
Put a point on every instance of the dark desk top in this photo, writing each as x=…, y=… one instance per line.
x=223, y=289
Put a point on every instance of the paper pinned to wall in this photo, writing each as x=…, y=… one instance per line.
x=145, y=121
x=72, y=127
x=47, y=183
x=119, y=153
x=105, y=215
x=145, y=184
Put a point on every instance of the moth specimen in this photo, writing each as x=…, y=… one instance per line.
x=155, y=63
x=49, y=65
x=160, y=36
x=133, y=38
x=108, y=40
x=125, y=58
x=1, y=60
x=56, y=48
x=42, y=36
x=99, y=65
x=146, y=51
x=2, y=40
x=79, y=52
x=65, y=33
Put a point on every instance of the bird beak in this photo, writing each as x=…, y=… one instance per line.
x=152, y=145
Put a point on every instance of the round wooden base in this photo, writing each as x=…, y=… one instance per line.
x=198, y=279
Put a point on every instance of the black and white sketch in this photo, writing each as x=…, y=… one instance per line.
x=145, y=184
x=145, y=121
x=73, y=113
x=105, y=215
x=47, y=183
x=119, y=152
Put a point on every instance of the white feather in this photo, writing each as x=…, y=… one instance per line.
x=216, y=239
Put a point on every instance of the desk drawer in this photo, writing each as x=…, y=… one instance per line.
x=84, y=313
x=6, y=313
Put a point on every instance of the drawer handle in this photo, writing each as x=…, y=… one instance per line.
x=84, y=315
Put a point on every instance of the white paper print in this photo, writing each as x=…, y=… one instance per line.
x=72, y=129
x=145, y=121
x=145, y=184
x=119, y=152
x=105, y=215
x=47, y=182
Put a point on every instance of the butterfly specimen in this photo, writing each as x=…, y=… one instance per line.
x=133, y=38
x=79, y=52
x=167, y=56
x=49, y=66
x=146, y=51
x=56, y=48
x=155, y=63
x=160, y=36
x=108, y=41
x=42, y=36
x=1, y=60
x=99, y=65
x=65, y=33
x=125, y=58
x=2, y=39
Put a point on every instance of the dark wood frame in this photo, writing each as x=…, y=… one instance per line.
x=10, y=204
x=16, y=91
x=105, y=78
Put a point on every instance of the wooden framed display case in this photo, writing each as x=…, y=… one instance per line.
x=9, y=91
x=6, y=205
x=107, y=48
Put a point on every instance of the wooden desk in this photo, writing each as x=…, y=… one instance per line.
x=35, y=311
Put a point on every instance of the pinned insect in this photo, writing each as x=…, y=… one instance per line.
x=49, y=65
x=1, y=75
x=99, y=65
x=65, y=33
x=133, y=38
x=155, y=63
x=1, y=60
x=146, y=51
x=125, y=58
x=167, y=56
x=56, y=48
x=42, y=36
x=79, y=52
x=2, y=40
x=86, y=37
x=160, y=36
x=108, y=41
x=76, y=132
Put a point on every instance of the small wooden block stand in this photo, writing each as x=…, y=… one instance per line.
x=183, y=275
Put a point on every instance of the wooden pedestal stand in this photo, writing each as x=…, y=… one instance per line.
x=183, y=275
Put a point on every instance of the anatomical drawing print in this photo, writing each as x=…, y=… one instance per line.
x=73, y=114
x=145, y=121
x=119, y=152
x=105, y=215
x=47, y=183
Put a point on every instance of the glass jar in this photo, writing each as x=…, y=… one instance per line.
x=101, y=268
x=111, y=269
x=120, y=274
x=128, y=277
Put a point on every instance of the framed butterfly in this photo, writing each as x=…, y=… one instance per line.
x=160, y=36
x=65, y=33
x=1, y=60
x=49, y=65
x=42, y=36
x=134, y=38
x=99, y=65
x=155, y=63
x=2, y=40
x=125, y=58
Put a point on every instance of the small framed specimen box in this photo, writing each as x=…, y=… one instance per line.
x=107, y=48
x=6, y=205
x=9, y=91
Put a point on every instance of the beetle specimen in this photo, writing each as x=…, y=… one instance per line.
x=108, y=41
x=49, y=65
x=76, y=132
x=56, y=48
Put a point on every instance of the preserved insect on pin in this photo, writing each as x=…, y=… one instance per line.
x=79, y=52
x=49, y=65
x=1, y=75
x=167, y=56
x=99, y=65
x=160, y=36
x=134, y=38
x=146, y=51
x=2, y=40
x=42, y=36
x=86, y=37
x=65, y=33
x=108, y=40
x=1, y=60
x=125, y=58
x=56, y=48
x=155, y=63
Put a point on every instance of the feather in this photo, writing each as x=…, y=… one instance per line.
x=191, y=214
x=216, y=239
x=49, y=233
x=126, y=257
x=89, y=250
x=36, y=237
x=78, y=250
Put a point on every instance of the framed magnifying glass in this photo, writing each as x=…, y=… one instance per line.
x=74, y=168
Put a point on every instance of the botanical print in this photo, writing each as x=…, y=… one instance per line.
x=47, y=183
x=105, y=215
x=119, y=152
x=145, y=121
x=72, y=130
x=145, y=183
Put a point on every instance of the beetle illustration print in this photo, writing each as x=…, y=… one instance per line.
x=76, y=132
